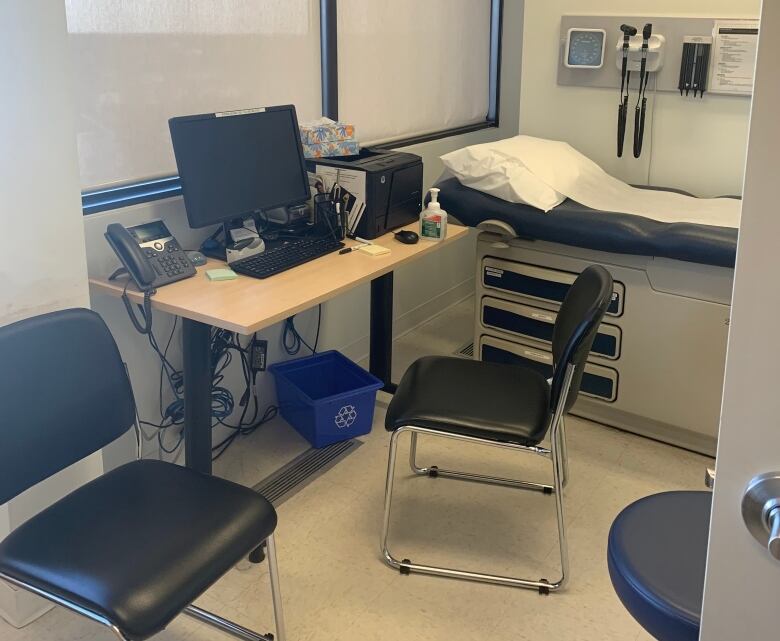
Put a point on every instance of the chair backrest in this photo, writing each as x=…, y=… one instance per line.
x=575, y=329
x=64, y=394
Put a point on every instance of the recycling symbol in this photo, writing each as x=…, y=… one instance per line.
x=345, y=417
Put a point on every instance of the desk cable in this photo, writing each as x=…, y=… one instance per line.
x=224, y=344
x=292, y=339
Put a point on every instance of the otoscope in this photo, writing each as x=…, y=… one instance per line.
x=625, y=79
x=639, y=113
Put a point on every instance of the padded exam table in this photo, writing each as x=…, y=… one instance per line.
x=247, y=305
x=573, y=224
x=657, y=368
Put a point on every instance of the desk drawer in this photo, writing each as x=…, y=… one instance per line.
x=545, y=284
x=537, y=324
x=597, y=381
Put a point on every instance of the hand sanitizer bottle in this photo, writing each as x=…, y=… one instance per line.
x=433, y=219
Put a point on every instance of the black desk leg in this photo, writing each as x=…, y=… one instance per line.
x=381, y=332
x=197, y=395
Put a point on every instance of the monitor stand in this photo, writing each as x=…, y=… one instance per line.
x=234, y=240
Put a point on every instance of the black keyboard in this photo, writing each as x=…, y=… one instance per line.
x=281, y=257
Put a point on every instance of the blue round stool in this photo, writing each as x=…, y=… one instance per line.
x=657, y=553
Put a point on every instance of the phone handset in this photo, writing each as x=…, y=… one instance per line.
x=140, y=270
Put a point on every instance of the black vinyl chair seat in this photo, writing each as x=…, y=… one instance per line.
x=138, y=544
x=657, y=554
x=493, y=401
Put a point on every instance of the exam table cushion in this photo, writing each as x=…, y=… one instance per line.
x=573, y=224
x=656, y=555
x=492, y=401
x=138, y=544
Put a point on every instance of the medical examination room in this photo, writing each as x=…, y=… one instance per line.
x=370, y=320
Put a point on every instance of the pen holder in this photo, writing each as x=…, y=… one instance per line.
x=328, y=220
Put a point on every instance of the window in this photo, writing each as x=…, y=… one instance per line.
x=408, y=68
x=398, y=69
x=139, y=63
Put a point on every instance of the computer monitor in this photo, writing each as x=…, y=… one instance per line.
x=233, y=164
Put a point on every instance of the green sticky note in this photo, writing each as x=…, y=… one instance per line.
x=221, y=274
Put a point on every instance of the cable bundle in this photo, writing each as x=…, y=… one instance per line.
x=225, y=345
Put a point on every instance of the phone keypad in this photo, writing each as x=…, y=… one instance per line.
x=171, y=263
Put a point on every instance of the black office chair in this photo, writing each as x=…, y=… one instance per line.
x=504, y=405
x=135, y=547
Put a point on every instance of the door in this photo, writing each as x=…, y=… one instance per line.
x=742, y=585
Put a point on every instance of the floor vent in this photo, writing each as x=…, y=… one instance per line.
x=302, y=470
x=467, y=351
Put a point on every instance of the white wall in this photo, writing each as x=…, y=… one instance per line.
x=698, y=146
x=742, y=579
x=42, y=259
x=421, y=289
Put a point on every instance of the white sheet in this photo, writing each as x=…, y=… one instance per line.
x=567, y=171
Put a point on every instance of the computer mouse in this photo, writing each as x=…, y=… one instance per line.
x=196, y=258
x=407, y=237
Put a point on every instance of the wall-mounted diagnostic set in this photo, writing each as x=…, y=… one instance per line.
x=689, y=56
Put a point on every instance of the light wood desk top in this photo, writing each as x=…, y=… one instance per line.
x=246, y=305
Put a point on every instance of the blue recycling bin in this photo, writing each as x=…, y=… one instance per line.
x=326, y=397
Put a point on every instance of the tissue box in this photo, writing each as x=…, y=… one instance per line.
x=331, y=149
x=326, y=130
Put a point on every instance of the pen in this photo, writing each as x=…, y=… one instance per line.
x=346, y=250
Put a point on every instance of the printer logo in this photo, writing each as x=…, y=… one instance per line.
x=345, y=417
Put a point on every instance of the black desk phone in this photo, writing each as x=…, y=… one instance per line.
x=152, y=257
x=150, y=254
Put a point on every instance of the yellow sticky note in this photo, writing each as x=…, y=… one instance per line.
x=221, y=274
x=374, y=250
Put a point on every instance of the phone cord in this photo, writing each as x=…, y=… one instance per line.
x=144, y=310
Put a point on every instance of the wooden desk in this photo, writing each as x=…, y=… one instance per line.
x=247, y=305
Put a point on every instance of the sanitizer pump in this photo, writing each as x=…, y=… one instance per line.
x=433, y=219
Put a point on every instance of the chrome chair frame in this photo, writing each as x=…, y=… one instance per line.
x=556, y=453
x=204, y=616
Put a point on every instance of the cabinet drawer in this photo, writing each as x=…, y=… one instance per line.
x=545, y=284
x=537, y=324
x=597, y=381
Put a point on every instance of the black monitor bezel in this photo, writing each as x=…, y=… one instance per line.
x=173, y=124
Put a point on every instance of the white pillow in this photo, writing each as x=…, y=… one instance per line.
x=496, y=168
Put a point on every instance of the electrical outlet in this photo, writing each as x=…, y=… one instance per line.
x=259, y=355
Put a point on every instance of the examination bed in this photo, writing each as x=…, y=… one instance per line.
x=657, y=365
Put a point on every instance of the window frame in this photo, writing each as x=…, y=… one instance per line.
x=94, y=201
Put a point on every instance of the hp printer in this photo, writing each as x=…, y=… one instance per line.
x=382, y=189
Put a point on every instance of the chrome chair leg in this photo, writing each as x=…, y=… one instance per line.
x=220, y=623
x=560, y=470
x=388, y=558
x=224, y=625
x=420, y=471
x=276, y=593
x=405, y=566
x=564, y=451
x=434, y=471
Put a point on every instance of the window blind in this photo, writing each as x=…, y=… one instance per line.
x=137, y=63
x=409, y=68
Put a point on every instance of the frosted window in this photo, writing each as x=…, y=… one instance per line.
x=410, y=67
x=139, y=62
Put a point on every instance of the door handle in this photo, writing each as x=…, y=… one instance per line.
x=761, y=511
